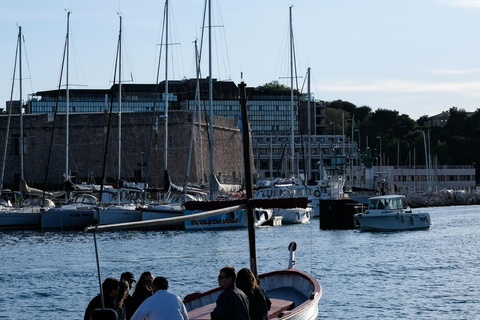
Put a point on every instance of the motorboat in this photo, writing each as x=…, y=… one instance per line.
x=284, y=191
x=387, y=213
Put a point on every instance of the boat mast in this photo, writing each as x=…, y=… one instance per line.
x=119, y=109
x=210, y=97
x=20, y=101
x=309, y=146
x=292, y=146
x=67, y=124
x=165, y=155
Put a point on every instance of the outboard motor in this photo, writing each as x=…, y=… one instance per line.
x=292, y=247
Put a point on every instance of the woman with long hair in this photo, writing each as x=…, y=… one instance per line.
x=143, y=290
x=259, y=303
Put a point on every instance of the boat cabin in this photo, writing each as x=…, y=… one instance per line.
x=386, y=202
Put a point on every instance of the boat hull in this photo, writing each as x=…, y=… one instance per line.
x=63, y=218
x=393, y=221
x=119, y=214
x=294, y=215
x=18, y=219
x=294, y=294
x=234, y=219
x=164, y=211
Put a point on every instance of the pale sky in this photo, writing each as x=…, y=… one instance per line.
x=419, y=57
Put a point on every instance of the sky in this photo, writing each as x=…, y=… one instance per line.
x=418, y=57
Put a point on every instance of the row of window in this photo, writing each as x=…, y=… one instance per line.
x=435, y=177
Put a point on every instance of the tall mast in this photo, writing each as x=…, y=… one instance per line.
x=165, y=155
x=67, y=124
x=20, y=101
x=309, y=146
x=119, y=109
x=292, y=146
x=210, y=94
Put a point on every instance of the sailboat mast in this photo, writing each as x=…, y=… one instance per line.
x=210, y=94
x=67, y=124
x=292, y=146
x=119, y=109
x=20, y=100
x=165, y=155
x=309, y=120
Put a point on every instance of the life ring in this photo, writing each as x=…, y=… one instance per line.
x=317, y=193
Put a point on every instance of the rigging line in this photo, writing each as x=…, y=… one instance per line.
x=28, y=64
x=4, y=158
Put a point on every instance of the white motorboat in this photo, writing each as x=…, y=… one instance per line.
x=386, y=213
x=289, y=215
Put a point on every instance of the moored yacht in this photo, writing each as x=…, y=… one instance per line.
x=386, y=213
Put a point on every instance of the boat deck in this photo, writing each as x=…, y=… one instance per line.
x=278, y=306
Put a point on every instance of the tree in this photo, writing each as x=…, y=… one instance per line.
x=274, y=86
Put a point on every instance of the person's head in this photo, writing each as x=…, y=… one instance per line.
x=128, y=276
x=110, y=287
x=226, y=277
x=123, y=289
x=160, y=283
x=145, y=281
x=246, y=281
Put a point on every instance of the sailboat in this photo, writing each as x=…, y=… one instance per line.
x=79, y=211
x=126, y=209
x=167, y=207
x=22, y=214
x=287, y=188
x=295, y=294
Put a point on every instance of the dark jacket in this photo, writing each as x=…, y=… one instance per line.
x=96, y=303
x=259, y=304
x=232, y=304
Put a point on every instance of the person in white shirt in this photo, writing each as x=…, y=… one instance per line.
x=163, y=305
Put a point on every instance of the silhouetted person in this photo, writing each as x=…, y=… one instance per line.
x=143, y=290
x=162, y=305
x=232, y=304
x=110, y=290
x=259, y=303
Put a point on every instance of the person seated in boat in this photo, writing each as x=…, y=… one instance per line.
x=110, y=291
x=232, y=303
x=122, y=294
x=130, y=278
x=143, y=290
x=162, y=304
x=258, y=302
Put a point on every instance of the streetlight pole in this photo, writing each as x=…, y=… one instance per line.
x=381, y=156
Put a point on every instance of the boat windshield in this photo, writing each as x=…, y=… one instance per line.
x=389, y=204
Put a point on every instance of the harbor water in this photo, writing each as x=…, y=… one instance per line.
x=428, y=274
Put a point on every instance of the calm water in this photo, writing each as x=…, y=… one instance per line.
x=431, y=274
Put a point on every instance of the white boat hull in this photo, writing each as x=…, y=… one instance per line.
x=162, y=211
x=119, y=214
x=66, y=218
x=294, y=294
x=19, y=219
x=294, y=215
x=393, y=221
